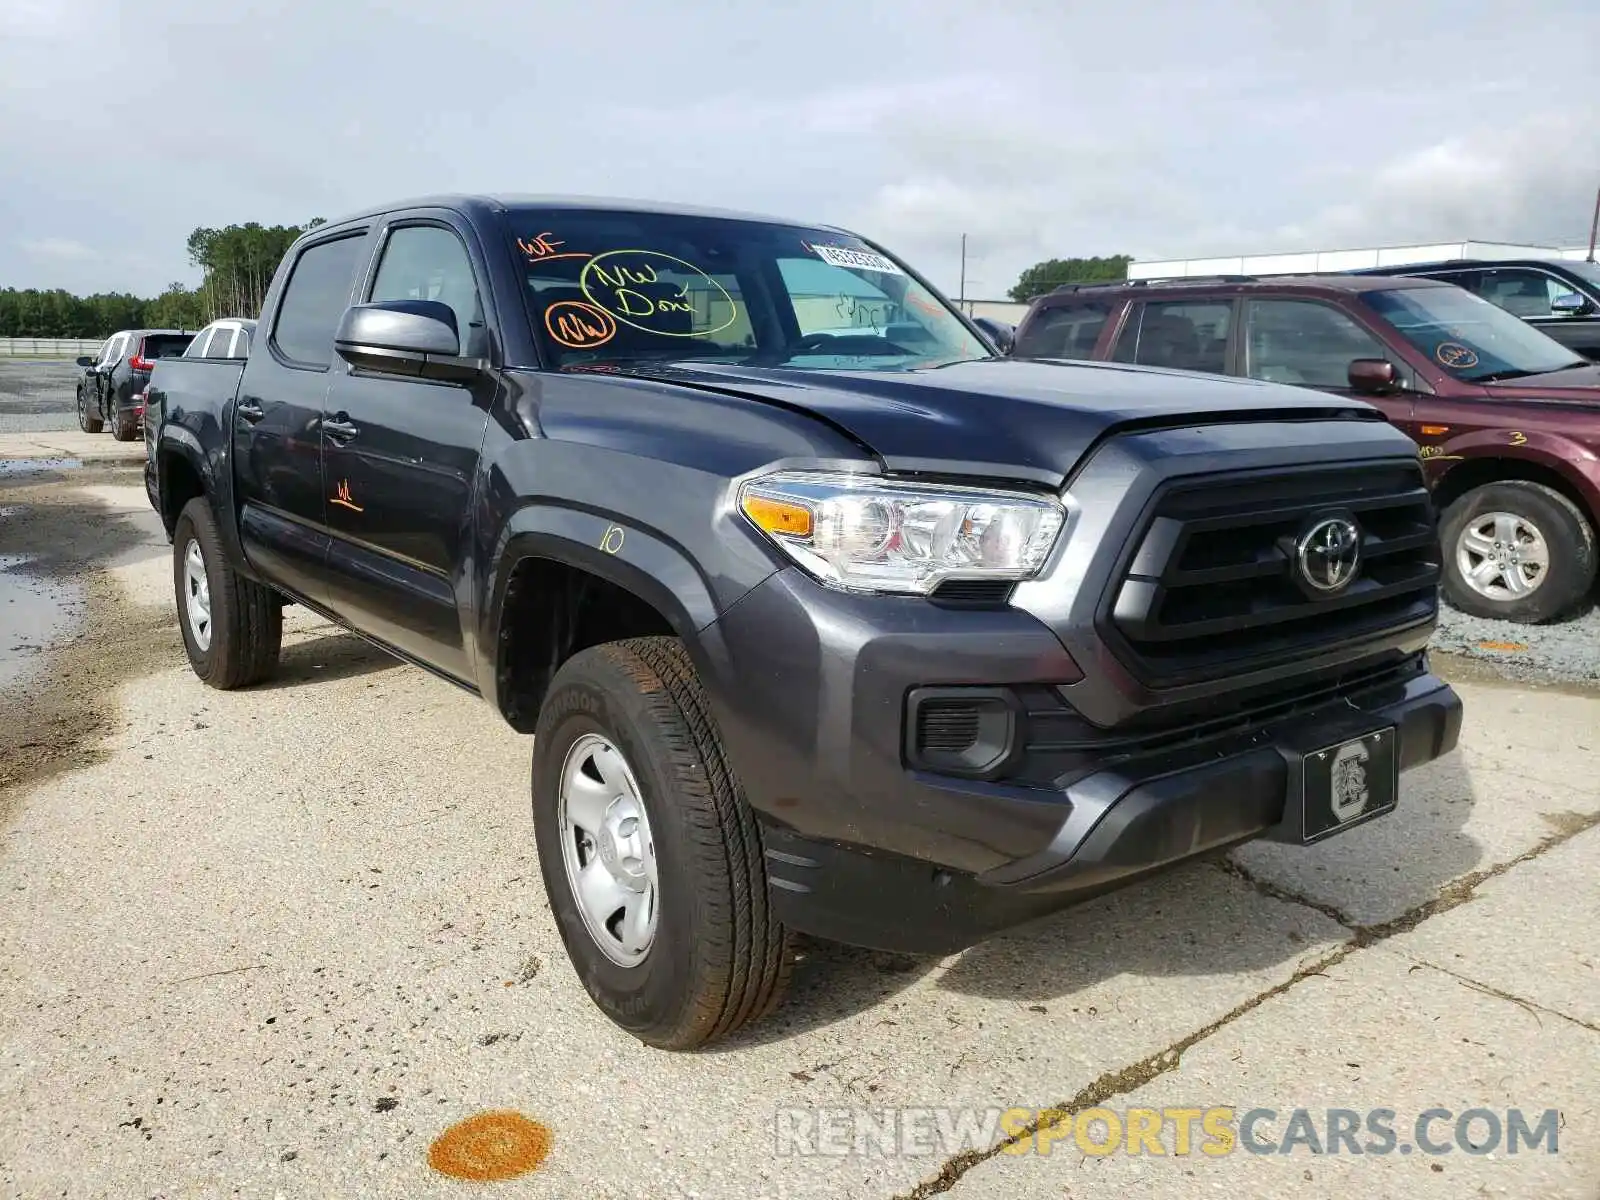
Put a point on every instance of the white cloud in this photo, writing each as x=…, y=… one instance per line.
x=1039, y=129
x=57, y=248
x=55, y=19
x=1530, y=181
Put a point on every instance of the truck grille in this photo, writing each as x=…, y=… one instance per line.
x=1215, y=586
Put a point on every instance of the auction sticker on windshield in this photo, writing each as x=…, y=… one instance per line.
x=862, y=260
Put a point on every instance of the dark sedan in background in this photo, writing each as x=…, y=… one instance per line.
x=111, y=389
x=1559, y=297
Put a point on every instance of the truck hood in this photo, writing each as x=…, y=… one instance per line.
x=1579, y=385
x=1023, y=418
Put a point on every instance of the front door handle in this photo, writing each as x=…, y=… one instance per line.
x=249, y=410
x=339, y=428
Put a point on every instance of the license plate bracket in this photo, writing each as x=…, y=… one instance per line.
x=1338, y=785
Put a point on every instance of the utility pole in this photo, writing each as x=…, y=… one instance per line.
x=1594, y=225
x=961, y=297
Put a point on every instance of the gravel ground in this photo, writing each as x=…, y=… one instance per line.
x=1565, y=652
x=37, y=395
x=272, y=943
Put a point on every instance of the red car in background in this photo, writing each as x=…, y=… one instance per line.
x=1507, y=419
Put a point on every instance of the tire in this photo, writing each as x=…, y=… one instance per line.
x=238, y=644
x=125, y=426
x=717, y=958
x=1532, y=522
x=87, y=422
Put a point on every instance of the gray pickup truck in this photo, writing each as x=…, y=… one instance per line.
x=826, y=616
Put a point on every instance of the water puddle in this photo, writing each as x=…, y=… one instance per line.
x=16, y=467
x=36, y=612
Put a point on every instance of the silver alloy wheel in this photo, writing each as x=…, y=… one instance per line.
x=197, y=595
x=1502, y=556
x=606, y=847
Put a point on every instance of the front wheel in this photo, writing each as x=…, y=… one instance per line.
x=232, y=626
x=651, y=856
x=1516, y=550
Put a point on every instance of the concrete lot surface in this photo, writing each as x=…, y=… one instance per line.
x=69, y=445
x=38, y=395
x=274, y=942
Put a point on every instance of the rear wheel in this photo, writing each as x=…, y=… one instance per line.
x=651, y=856
x=1516, y=550
x=125, y=426
x=88, y=418
x=232, y=626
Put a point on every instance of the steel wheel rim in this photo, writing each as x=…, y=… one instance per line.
x=607, y=850
x=197, y=595
x=1502, y=556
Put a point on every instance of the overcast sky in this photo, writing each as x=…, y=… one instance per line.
x=1041, y=128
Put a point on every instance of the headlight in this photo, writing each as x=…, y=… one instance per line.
x=865, y=533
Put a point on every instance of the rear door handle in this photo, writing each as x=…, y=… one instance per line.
x=339, y=428
x=248, y=410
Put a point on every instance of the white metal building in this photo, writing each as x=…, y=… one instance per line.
x=1313, y=261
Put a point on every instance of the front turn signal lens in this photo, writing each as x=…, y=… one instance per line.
x=778, y=516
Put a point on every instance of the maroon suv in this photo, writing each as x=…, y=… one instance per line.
x=1507, y=419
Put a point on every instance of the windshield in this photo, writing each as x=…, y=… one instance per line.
x=1471, y=338
x=616, y=287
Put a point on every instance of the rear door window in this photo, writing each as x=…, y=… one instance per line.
x=1304, y=342
x=317, y=294
x=1066, y=331
x=1185, y=335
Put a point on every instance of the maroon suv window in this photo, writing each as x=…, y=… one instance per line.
x=1186, y=335
x=1067, y=331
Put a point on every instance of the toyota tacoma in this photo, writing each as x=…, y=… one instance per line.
x=826, y=617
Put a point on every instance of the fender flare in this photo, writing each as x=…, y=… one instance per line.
x=1552, y=452
x=610, y=546
x=177, y=442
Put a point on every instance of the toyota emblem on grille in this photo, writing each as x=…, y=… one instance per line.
x=1328, y=555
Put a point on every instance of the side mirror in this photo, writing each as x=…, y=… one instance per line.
x=1374, y=376
x=83, y=360
x=404, y=337
x=1003, y=336
x=1571, y=304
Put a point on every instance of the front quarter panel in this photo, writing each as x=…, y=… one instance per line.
x=1452, y=434
x=631, y=480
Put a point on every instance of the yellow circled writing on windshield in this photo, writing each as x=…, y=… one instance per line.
x=614, y=287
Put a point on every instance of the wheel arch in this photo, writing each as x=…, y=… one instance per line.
x=182, y=473
x=565, y=579
x=1475, y=471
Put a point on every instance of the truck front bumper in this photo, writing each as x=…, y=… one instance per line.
x=812, y=690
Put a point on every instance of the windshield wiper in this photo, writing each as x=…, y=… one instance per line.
x=1498, y=376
